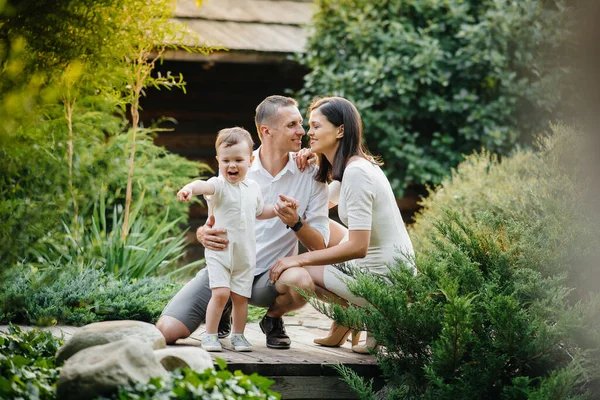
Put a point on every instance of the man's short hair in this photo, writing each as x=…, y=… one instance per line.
x=269, y=107
x=232, y=136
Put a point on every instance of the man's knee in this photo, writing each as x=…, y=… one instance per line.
x=172, y=329
x=298, y=277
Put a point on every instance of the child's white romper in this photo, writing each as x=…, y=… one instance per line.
x=235, y=207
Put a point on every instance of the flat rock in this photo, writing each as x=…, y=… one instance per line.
x=100, y=333
x=185, y=356
x=100, y=370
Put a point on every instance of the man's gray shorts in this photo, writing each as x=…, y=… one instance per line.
x=190, y=303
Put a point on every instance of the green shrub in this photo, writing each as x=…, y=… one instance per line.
x=436, y=79
x=73, y=295
x=64, y=133
x=33, y=204
x=159, y=174
x=501, y=306
x=542, y=194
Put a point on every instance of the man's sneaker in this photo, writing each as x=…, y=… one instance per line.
x=210, y=342
x=274, y=329
x=224, y=328
x=239, y=342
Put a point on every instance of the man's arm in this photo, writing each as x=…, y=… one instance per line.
x=212, y=238
x=314, y=232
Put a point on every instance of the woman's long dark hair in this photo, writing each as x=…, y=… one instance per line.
x=340, y=111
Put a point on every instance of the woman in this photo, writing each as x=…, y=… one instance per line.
x=376, y=234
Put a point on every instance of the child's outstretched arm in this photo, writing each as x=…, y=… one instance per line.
x=269, y=210
x=195, y=188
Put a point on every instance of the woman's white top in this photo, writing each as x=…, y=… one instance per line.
x=366, y=202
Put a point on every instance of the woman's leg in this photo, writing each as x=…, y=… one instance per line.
x=240, y=312
x=217, y=302
x=336, y=282
x=316, y=273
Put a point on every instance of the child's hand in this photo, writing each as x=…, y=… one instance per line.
x=184, y=195
x=289, y=201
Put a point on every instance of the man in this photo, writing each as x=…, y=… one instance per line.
x=279, y=125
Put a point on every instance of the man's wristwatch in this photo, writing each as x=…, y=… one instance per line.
x=297, y=226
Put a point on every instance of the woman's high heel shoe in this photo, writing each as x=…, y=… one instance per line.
x=369, y=346
x=338, y=337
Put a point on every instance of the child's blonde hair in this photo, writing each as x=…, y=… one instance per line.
x=232, y=136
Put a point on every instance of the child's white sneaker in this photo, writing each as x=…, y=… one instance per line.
x=239, y=342
x=210, y=342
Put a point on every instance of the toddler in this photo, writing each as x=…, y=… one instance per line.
x=235, y=202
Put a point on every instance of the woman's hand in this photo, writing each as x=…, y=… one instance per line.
x=281, y=265
x=304, y=158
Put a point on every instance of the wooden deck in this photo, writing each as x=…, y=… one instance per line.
x=302, y=372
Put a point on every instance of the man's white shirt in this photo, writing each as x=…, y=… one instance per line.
x=273, y=239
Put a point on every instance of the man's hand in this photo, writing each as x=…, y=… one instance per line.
x=212, y=239
x=285, y=209
x=304, y=158
x=281, y=265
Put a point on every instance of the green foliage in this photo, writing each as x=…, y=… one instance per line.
x=543, y=194
x=502, y=306
x=64, y=136
x=364, y=390
x=33, y=204
x=159, y=175
x=436, y=79
x=27, y=364
x=64, y=293
x=28, y=370
x=255, y=314
x=210, y=384
x=148, y=250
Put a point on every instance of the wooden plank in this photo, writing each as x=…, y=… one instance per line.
x=244, y=57
x=173, y=140
x=235, y=35
x=198, y=211
x=280, y=12
x=312, y=387
x=195, y=114
x=304, y=358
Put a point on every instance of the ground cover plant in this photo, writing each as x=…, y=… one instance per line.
x=28, y=367
x=505, y=303
x=64, y=294
x=434, y=80
x=28, y=370
x=210, y=384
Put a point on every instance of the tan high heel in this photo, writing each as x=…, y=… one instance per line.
x=338, y=337
x=369, y=346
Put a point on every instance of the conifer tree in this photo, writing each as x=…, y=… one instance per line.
x=501, y=306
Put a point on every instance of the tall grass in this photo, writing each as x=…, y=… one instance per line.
x=148, y=249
